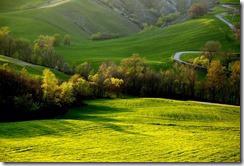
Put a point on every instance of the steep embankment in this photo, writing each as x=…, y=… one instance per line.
x=144, y=11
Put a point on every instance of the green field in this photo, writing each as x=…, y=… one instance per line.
x=34, y=70
x=131, y=130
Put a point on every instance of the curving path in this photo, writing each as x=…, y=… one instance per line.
x=221, y=17
x=178, y=55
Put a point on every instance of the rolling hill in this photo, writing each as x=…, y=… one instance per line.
x=156, y=45
x=128, y=130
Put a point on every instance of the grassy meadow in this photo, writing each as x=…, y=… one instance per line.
x=131, y=130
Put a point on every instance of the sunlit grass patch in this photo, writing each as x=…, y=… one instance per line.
x=128, y=130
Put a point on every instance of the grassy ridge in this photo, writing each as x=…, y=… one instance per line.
x=139, y=130
x=34, y=70
x=157, y=45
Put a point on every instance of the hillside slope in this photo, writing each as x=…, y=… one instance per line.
x=144, y=11
x=77, y=18
x=156, y=45
x=81, y=19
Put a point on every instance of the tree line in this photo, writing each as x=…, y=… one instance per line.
x=22, y=96
x=40, y=52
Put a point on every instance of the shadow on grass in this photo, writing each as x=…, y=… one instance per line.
x=97, y=114
x=93, y=112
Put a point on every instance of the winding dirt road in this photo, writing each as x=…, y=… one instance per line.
x=178, y=55
x=221, y=17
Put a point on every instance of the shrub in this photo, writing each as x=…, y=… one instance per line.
x=211, y=49
x=84, y=69
x=50, y=88
x=103, y=36
x=67, y=40
x=201, y=61
x=113, y=85
x=5, y=39
x=57, y=39
x=66, y=94
x=197, y=10
x=147, y=27
x=167, y=19
x=82, y=88
x=161, y=21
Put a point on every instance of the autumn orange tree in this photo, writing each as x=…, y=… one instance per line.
x=235, y=81
x=132, y=69
x=50, y=87
x=84, y=69
x=216, y=79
